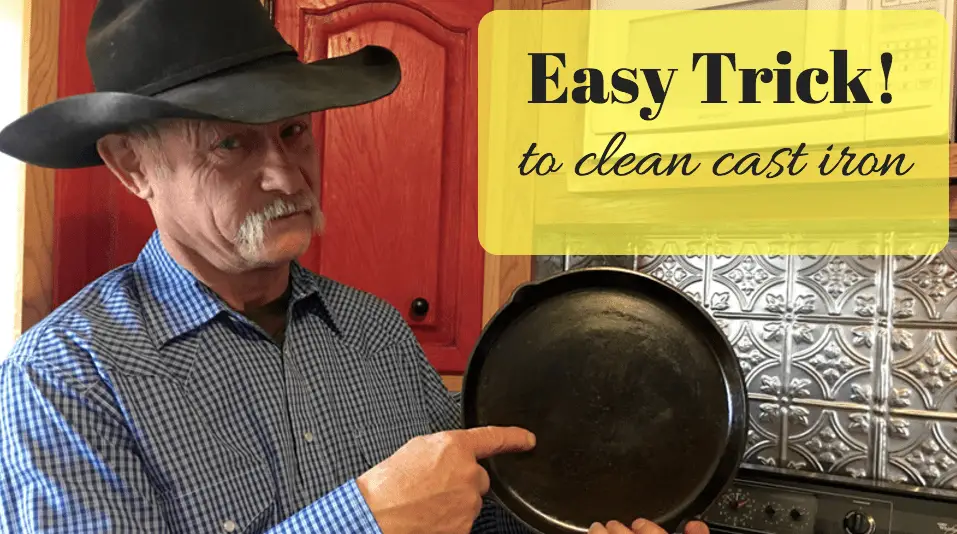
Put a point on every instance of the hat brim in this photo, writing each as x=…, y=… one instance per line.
x=64, y=133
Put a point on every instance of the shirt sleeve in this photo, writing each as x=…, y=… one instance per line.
x=69, y=464
x=341, y=510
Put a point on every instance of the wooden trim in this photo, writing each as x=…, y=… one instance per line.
x=953, y=160
x=452, y=382
x=953, y=201
x=35, y=283
x=502, y=275
x=567, y=4
x=517, y=4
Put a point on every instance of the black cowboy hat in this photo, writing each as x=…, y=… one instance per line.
x=206, y=59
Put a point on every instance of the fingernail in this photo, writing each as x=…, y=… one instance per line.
x=531, y=439
x=638, y=523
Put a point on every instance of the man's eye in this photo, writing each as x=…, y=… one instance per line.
x=230, y=143
x=293, y=130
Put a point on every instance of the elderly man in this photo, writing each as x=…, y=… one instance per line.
x=215, y=385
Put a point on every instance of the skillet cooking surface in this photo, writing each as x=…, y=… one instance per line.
x=635, y=396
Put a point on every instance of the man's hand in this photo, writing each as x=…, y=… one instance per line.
x=434, y=484
x=642, y=526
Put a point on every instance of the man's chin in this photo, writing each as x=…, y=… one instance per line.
x=287, y=249
x=279, y=250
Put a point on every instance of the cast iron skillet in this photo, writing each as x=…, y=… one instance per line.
x=634, y=393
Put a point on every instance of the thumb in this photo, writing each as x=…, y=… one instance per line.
x=488, y=441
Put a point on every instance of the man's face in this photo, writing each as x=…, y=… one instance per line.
x=242, y=196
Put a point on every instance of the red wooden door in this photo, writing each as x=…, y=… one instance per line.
x=98, y=224
x=398, y=176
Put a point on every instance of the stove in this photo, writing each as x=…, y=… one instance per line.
x=775, y=501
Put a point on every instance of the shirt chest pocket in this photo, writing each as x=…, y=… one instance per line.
x=242, y=502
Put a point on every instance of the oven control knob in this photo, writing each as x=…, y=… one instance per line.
x=857, y=522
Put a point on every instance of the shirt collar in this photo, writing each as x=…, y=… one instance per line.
x=176, y=302
x=308, y=292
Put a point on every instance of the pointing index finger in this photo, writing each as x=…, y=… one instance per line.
x=488, y=441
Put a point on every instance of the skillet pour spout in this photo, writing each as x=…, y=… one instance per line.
x=632, y=389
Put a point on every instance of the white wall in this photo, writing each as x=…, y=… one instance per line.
x=12, y=105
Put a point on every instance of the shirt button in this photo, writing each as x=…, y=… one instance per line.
x=308, y=436
x=229, y=526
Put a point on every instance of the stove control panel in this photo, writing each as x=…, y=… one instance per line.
x=769, y=505
x=776, y=509
x=764, y=509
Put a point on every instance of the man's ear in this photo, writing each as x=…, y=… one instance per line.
x=120, y=157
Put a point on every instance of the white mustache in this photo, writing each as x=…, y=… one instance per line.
x=252, y=231
x=282, y=207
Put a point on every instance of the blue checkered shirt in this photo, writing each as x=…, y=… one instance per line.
x=146, y=405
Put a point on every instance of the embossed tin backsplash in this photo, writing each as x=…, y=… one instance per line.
x=851, y=362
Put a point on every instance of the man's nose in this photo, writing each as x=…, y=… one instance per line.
x=281, y=173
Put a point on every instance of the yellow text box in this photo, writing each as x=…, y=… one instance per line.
x=622, y=132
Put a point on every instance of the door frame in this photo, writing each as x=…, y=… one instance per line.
x=34, y=291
